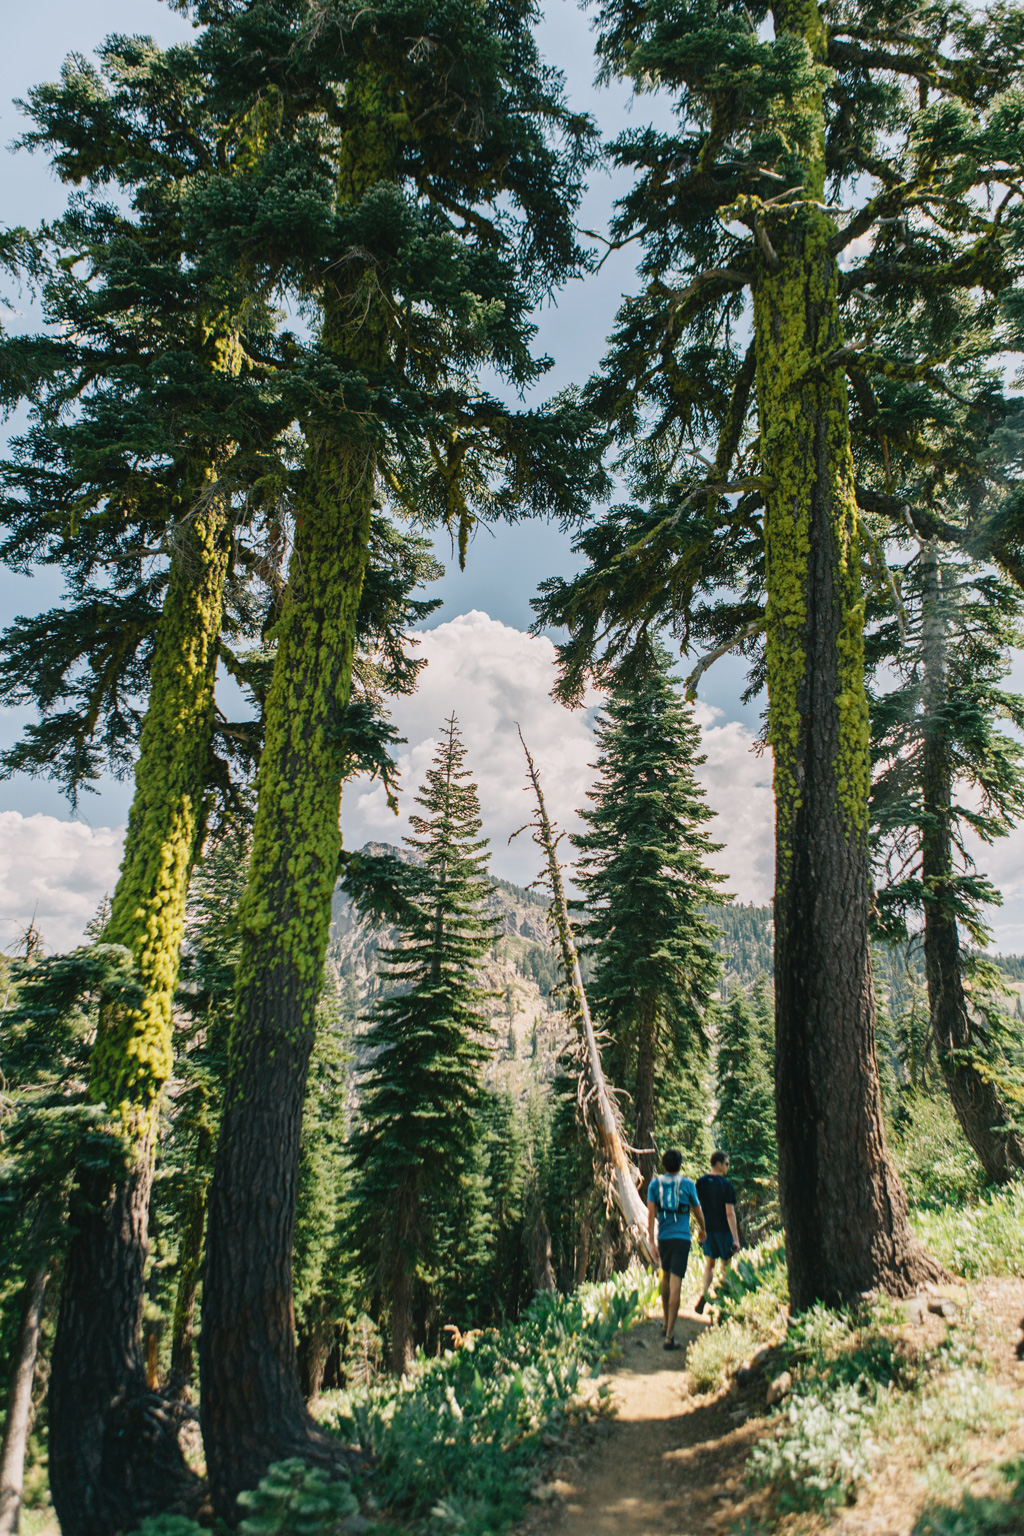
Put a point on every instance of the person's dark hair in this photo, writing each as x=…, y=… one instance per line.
x=718, y=1159
x=672, y=1161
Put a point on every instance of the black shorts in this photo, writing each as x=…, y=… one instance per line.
x=675, y=1255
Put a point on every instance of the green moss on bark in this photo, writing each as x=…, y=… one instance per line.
x=133, y=1053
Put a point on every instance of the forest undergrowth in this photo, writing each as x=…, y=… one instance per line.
x=462, y=1443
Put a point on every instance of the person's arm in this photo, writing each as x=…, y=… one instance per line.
x=702, y=1230
x=730, y=1216
x=652, y=1229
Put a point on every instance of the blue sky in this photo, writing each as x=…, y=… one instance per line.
x=503, y=569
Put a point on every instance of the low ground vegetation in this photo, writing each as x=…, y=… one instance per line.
x=457, y=1444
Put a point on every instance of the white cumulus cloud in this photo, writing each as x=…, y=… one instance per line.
x=495, y=677
x=54, y=873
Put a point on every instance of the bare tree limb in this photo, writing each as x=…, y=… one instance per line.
x=621, y=1174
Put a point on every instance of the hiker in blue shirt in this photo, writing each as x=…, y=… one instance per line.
x=670, y=1199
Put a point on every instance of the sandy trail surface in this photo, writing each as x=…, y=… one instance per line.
x=671, y=1463
x=668, y=1464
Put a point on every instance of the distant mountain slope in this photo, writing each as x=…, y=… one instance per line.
x=522, y=969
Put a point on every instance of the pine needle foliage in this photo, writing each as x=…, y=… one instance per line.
x=745, y=1092
x=421, y=1108
x=647, y=889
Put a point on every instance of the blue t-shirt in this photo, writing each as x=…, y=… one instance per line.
x=672, y=1195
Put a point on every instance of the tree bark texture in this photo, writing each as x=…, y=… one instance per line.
x=189, y=1264
x=18, y=1421
x=101, y=1413
x=644, y=1095
x=253, y=1410
x=844, y=1209
x=983, y=1114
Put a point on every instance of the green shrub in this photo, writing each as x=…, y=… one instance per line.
x=752, y=1306
x=821, y=1450
x=998, y=1514
x=292, y=1500
x=455, y=1444
x=982, y=1239
x=936, y=1162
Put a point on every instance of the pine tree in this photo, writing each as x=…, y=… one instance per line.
x=420, y=199
x=152, y=348
x=936, y=730
x=647, y=887
x=807, y=134
x=421, y=1100
x=745, y=1117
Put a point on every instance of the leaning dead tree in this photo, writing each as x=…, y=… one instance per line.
x=599, y=1113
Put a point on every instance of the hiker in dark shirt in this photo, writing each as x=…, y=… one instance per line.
x=718, y=1202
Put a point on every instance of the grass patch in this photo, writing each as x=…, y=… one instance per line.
x=982, y=1239
x=860, y=1385
x=1000, y=1513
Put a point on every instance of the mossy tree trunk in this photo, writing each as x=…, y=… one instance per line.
x=844, y=1209
x=983, y=1115
x=100, y=1410
x=253, y=1409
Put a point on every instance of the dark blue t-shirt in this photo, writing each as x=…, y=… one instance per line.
x=715, y=1192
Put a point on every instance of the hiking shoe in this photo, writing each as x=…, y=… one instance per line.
x=670, y=1344
x=701, y=1304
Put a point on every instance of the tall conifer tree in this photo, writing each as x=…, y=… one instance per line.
x=808, y=134
x=420, y=197
x=154, y=350
x=646, y=887
x=422, y=1103
x=745, y=1114
x=936, y=730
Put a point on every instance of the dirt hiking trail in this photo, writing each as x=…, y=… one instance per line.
x=670, y=1463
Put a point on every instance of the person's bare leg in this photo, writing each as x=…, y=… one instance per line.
x=664, y=1300
x=674, y=1288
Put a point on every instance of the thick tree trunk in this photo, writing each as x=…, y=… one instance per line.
x=253, y=1411
x=114, y=1456
x=190, y=1260
x=19, y=1403
x=844, y=1209
x=983, y=1115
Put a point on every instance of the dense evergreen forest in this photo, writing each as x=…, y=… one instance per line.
x=324, y=1172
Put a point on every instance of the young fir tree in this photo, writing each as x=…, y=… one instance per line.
x=421, y=1103
x=807, y=134
x=937, y=733
x=646, y=889
x=419, y=199
x=745, y=1094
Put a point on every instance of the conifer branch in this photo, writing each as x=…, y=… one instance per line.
x=746, y=633
x=621, y=1174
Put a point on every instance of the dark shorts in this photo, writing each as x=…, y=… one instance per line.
x=719, y=1245
x=675, y=1255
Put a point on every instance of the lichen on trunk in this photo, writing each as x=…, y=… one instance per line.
x=844, y=1209
x=98, y=1392
x=253, y=1408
